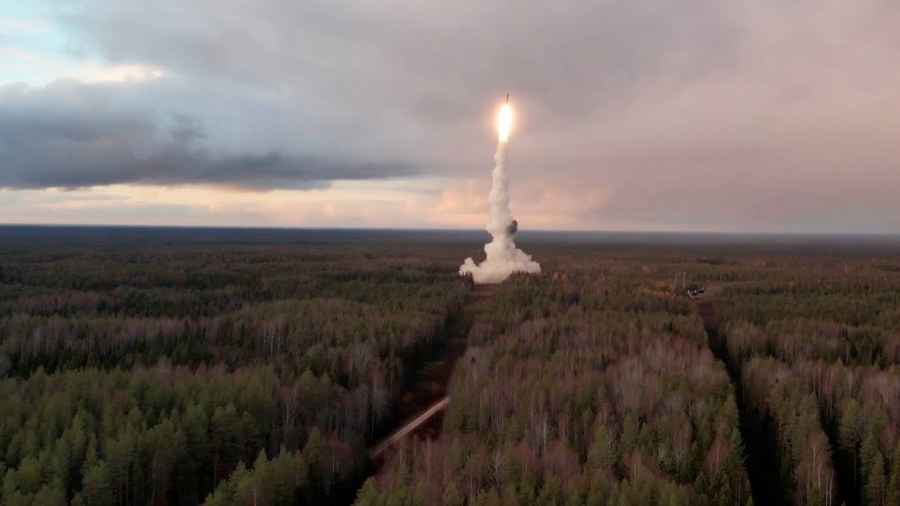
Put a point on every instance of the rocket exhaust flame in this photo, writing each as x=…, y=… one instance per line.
x=503, y=258
x=504, y=122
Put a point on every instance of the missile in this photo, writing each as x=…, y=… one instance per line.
x=507, y=98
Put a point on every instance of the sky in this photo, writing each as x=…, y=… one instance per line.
x=643, y=115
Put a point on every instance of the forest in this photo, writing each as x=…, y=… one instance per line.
x=245, y=367
x=139, y=373
x=817, y=351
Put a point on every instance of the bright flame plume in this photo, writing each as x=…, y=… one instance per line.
x=502, y=256
x=504, y=122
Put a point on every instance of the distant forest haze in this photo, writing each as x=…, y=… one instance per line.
x=152, y=366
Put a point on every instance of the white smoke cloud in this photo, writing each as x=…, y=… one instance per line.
x=503, y=258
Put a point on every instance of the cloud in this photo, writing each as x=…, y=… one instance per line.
x=695, y=114
x=70, y=135
x=433, y=62
x=16, y=26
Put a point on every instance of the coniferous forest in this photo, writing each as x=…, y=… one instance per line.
x=247, y=367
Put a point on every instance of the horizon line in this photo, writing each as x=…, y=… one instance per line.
x=421, y=229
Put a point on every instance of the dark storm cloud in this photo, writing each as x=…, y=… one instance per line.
x=74, y=135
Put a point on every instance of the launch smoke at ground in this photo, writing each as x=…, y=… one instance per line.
x=503, y=258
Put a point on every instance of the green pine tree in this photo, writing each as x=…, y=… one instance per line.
x=97, y=485
x=893, y=489
x=874, y=491
x=452, y=496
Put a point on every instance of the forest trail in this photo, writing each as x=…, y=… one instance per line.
x=421, y=408
x=757, y=432
x=400, y=433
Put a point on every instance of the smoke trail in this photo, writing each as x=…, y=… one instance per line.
x=503, y=258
